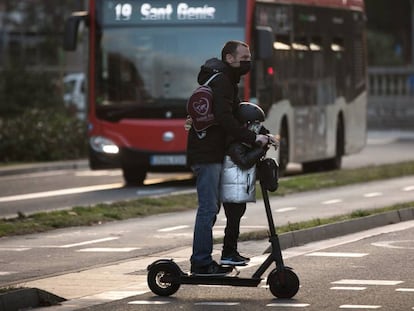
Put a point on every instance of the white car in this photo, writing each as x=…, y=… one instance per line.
x=74, y=94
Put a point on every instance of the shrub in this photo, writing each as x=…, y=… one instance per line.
x=42, y=135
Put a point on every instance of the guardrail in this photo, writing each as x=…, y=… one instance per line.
x=391, y=97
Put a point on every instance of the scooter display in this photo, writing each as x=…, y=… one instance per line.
x=165, y=276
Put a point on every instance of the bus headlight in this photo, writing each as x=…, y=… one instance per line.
x=103, y=145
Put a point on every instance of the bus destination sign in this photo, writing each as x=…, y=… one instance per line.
x=169, y=12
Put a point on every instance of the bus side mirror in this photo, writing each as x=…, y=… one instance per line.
x=70, y=36
x=264, y=42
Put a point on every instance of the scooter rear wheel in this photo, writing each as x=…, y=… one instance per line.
x=162, y=279
x=284, y=283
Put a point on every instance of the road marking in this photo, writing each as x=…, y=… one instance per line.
x=288, y=305
x=359, y=307
x=216, y=303
x=108, y=249
x=173, y=235
x=98, y=173
x=348, y=288
x=373, y=194
x=337, y=254
x=387, y=244
x=404, y=290
x=409, y=188
x=148, y=302
x=173, y=228
x=285, y=209
x=89, y=242
x=334, y=201
x=14, y=249
x=55, y=193
x=7, y=272
x=115, y=295
x=367, y=282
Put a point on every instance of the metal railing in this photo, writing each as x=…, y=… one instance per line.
x=391, y=97
x=391, y=81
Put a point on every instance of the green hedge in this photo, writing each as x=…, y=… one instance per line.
x=42, y=135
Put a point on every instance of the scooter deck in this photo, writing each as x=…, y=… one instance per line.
x=219, y=280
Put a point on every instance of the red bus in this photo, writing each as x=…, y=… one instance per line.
x=143, y=58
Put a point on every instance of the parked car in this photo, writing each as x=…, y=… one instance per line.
x=74, y=94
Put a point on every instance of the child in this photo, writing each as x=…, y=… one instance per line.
x=238, y=181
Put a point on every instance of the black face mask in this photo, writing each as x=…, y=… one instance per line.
x=244, y=68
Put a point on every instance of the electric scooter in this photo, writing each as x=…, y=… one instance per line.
x=165, y=276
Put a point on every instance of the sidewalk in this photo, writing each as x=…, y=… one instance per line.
x=128, y=278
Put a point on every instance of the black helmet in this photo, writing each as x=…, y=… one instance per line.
x=249, y=112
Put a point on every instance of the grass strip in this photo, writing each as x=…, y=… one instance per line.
x=102, y=213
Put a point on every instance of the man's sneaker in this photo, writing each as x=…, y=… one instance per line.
x=213, y=269
x=234, y=260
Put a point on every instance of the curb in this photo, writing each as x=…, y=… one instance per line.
x=43, y=166
x=329, y=231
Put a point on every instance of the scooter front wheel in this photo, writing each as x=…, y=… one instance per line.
x=162, y=279
x=284, y=283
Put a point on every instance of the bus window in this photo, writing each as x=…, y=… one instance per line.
x=315, y=44
x=282, y=43
x=337, y=45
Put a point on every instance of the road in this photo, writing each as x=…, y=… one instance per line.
x=30, y=257
x=362, y=271
x=62, y=189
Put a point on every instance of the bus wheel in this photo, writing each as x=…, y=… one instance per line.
x=283, y=149
x=134, y=176
x=336, y=162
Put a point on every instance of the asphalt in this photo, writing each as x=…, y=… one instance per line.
x=73, y=291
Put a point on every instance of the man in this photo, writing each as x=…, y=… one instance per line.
x=206, y=149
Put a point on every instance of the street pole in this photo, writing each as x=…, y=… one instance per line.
x=412, y=32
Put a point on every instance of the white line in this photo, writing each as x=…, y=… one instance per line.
x=55, y=193
x=409, y=188
x=98, y=173
x=214, y=303
x=14, y=249
x=359, y=307
x=286, y=209
x=108, y=249
x=288, y=305
x=148, y=302
x=373, y=194
x=89, y=242
x=367, y=282
x=348, y=288
x=334, y=201
x=337, y=254
x=389, y=244
x=115, y=295
x=404, y=290
x=173, y=228
x=6, y=272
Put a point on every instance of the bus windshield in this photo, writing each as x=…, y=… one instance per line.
x=145, y=67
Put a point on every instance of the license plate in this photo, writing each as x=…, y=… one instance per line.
x=168, y=160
